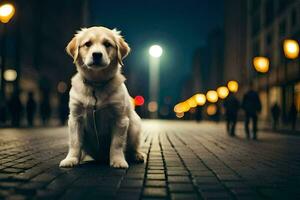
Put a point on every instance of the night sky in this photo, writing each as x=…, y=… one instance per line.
x=178, y=26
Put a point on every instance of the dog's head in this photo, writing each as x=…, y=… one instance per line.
x=98, y=52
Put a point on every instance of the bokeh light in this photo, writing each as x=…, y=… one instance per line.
x=7, y=11
x=212, y=96
x=233, y=86
x=62, y=87
x=211, y=109
x=139, y=100
x=291, y=49
x=10, y=75
x=222, y=92
x=261, y=64
x=152, y=106
x=200, y=99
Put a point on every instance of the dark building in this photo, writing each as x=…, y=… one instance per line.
x=269, y=23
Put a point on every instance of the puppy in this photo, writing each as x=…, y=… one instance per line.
x=98, y=53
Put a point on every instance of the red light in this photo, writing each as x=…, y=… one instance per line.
x=139, y=100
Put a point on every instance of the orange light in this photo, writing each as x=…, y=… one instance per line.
x=192, y=102
x=200, y=99
x=222, y=92
x=62, y=87
x=212, y=96
x=179, y=115
x=139, y=100
x=152, y=106
x=7, y=11
x=291, y=49
x=233, y=86
x=261, y=64
x=211, y=109
x=182, y=107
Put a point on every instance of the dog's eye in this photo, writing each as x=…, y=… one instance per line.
x=88, y=44
x=107, y=44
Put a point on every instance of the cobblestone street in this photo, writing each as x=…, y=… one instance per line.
x=185, y=161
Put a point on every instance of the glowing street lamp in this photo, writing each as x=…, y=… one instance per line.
x=261, y=64
x=200, y=99
x=10, y=75
x=192, y=102
x=212, y=96
x=291, y=49
x=155, y=52
x=222, y=92
x=233, y=86
x=211, y=109
x=7, y=11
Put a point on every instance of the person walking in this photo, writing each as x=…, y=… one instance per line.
x=275, y=111
x=30, y=109
x=293, y=115
x=231, y=105
x=251, y=105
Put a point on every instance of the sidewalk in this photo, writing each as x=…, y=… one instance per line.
x=185, y=160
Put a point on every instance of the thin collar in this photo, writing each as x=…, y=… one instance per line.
x=96, y=83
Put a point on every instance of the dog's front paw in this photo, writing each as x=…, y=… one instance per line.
x=69, y=162
x=119, y=163
x=139, y=157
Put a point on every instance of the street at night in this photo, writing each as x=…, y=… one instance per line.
x=185, y=160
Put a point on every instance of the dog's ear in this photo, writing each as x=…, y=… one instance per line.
x=123, y=48
x=72, y=49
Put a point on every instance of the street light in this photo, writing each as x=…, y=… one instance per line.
x=291, y=49
x=7, y=11
x=222, y=92
x=212, y=96
x=233, y=86
x=261, y=64
x=10, y=75
x=155, y=51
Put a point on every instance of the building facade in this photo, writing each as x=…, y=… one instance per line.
x=269, y=23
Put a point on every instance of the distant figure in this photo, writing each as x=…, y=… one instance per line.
x=63, y=107
x=199, y=113
x=231, y=105
x=275, y=111
x=293, y=115
x=45, y=108
x=251, y=105
x=30, y=109
x=15, y=108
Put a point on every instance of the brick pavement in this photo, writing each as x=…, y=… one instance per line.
x=185, y=161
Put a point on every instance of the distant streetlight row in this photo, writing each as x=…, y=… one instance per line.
x=211, y=96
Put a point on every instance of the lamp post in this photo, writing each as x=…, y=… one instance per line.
x=7, y=11
x=291, y=51
x=155, y=52
x=233, y=86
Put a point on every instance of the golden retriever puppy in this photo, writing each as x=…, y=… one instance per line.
x=98, y=53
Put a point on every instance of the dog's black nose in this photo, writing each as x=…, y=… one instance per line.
x=97, y=56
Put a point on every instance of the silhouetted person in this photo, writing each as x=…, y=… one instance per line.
x=30, y=109
x=251, y=105
x=275, y=111
x=231, y=105
x=63, y=108
x=15, y=108
x=45, y=109
x=293, y=115
x=199, y=113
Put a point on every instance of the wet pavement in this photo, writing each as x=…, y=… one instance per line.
x=185, y=160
